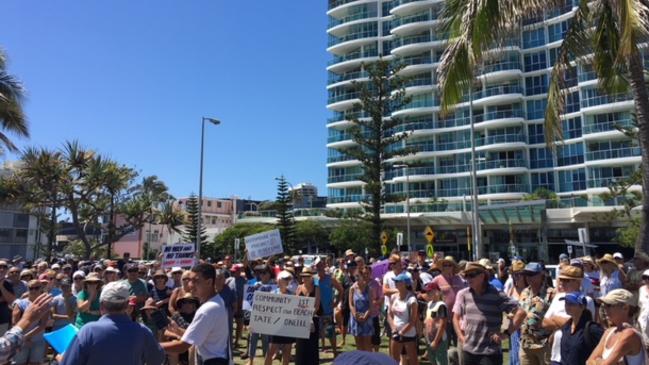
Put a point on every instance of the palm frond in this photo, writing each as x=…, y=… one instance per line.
x=606, y=48
x=633, y=16
x=575, y=44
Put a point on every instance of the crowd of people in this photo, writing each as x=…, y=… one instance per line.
x=595, y=311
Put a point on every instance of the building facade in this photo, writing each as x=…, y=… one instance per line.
x=512, y=160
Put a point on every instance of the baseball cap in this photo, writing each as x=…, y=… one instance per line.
x=79, y=273
x=574, y=298
x=577, y=263
x=284, y=275
x=533, y=268
x=645, y=273
x=618, y=255
x=115, y=292
x=403, y=277
x=431, y=286
x=618, y=296
x=563, y=256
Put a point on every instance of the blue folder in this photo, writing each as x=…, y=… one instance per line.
x=61, y=338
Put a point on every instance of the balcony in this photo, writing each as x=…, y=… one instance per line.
x=494, y=92
x=500, y=138
x=453, y=192
x=333, y=40
x=453, y=145
x=336, y=97
x=347, y=199
x=501, y=164
x=416, y=60
x=507, y=188
x=344, y=178
x=607, y=126
x=502, y=114
x=333, y=159
x=414, y=125
x=458, y=121
x=604, y=99
x=613, y=153
x=425, y=80
x=502, y=66
x=341, y=116
x=605, y=182
x=334, y=22
x=454, y=169
x=354, y=56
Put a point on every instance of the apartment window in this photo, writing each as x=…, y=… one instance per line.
x=554, y=55
x=20, y=235
x=535, y=61
x=21, y=220
x=557, y=31
x=572, y=127
x=536, y=85
x=572, y=102
x=535, y=134
x=209, y=203
x=536, y=108
x=5, y=235
x=213, y=220
x=219, y=204
x=570, y=154
x=542, y=180
x=572, y=180
x=540, y=158
x=533, y=38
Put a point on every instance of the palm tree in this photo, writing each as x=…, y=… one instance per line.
x=171, y=217
x=609, y=30
x=12, y=116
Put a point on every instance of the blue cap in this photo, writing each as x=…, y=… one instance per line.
x=577, y=262
x=563, y=256
x=575, y=298
x=402, y=277
x=533, y=267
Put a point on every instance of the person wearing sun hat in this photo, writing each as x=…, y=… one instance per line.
x=611, y=277
x=569, y=280
x=535, y=301
x=478, y=315
x=88, y=300
x=627, y=346
x=450, y=283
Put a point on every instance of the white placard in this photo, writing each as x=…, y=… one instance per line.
x=249, y=293
x=282, y=315
x=181, y=254
x=264, y=244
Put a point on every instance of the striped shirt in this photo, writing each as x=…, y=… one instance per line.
x=482, y=317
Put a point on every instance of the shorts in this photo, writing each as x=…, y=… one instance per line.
x=281, y=340
x=327, y=329
x=32, y=352
x=404, y=339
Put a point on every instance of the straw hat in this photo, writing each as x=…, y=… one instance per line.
x=306, y=271
x=517, y=266
x=619, y=296
x=571, y=273
x=608, y=258
x=446, y=259
x=486, y=263
x=474, y=266
x=93, y=278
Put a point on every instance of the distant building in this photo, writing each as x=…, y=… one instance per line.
x=305, y=195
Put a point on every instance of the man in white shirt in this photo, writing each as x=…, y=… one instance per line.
x=569, y=280
x=208, y=330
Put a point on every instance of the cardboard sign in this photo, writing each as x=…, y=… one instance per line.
x=264, y=244
x=282, y=315
x=181, y=254
x=249, y=293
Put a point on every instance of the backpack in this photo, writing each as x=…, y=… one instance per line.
x=589, y=337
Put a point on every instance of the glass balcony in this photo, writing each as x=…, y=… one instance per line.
x=333, y=40
x=422, y=101
x=461, y=191
x=587, y=76
x=424, y=146
x=337, y=3
x=604, y=99
x=502, y=66
x=500, y=138
x=453, y=145
x=366, y=14
x=458, y=121
x=334, y=78
x=613, y=153
x=503, y=114
x=415, y=18
x=607, y=126
x=336, y=97
x=559, y=11
x=338, y=136
x=347, y=199
x=414, y=125
x=419, y=38
x=508, y=188
x=498, y=90
x=604, y=182
x=340, y=116
x=454, y=169
x=354, y=55
x=415, y=60
x=426, y=80
x=344, y=178
x=333, y=159
x=501, y=164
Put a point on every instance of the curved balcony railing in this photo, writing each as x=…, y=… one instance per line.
x=344, y=178
x=415, y=18
x=343, y=136
x=419, y=38
x=462, y=191
x=507, y=188
x=415, y=60
x=613, y=153
x=337, y=3
x=347, y=199
x=502, y=114
x=607, y=126
x=334, y=98
x=604, y=99
x=458, y=121
x=499, y=90
x=426, y=80
x=500, y=138
x=354, y=55
x=454, y=169
x=587, y=76
x=334, y=22
x=333, y=40
x=335, y=78
x=333, y=159
x=501, y=164
x=422, y=101
x=453, y=145
x=340, y=116
x=502, y=66
x=414, y=125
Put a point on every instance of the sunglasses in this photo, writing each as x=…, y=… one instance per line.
x=472, y=275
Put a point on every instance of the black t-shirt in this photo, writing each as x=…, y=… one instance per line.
x=5, y=312
x=571, y=341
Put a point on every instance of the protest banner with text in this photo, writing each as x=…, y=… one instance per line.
x=264, y=244
x=282, y=315
x=181, y=254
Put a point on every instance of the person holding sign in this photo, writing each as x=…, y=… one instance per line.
x=280, y=342
x=306, y=350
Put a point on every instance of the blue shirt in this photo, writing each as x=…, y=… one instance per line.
x=497, y=284
x=114, y=339
x=326, y=294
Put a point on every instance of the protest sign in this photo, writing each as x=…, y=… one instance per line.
x=181, y=254
x=249, y=293
x=264, y=244
x=282, y=315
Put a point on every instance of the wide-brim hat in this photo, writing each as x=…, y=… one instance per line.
x=619, y=296
x=150, y=304
x=571, y=273
x=473, y=267
x=517, y=266
x=188, y=297
x=160, y=274
x=486, y=263
x=92, y=278
x=607, y=258
x=447, y=259
x=306, y=271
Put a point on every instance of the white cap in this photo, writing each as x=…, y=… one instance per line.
x=176, y=269
x=645, y=273
x=284, y=275
x=56, y=266
x=79, y=273
x=115, y=292
x=618, y=255
x=112, y=269
x=316, y=261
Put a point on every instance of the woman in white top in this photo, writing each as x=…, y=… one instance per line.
x=402, y=318
x=620, y=344
x=643, y=301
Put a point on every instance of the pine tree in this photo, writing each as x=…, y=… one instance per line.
x=191, y=222
x=285, y=218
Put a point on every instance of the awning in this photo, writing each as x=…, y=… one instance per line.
x=527, y=212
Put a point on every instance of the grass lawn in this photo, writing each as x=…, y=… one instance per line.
x=327, y=358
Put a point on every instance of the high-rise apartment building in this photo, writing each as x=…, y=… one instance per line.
x=508, y=110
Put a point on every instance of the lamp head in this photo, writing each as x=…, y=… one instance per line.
x=212, y=120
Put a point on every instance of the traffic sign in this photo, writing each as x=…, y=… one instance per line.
x=237, y=243
x=400, y=239
x=384, y=237
x=430, y=234
x=430, y=251
x=384, y=250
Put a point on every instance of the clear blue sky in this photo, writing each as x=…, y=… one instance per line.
x=132, y=79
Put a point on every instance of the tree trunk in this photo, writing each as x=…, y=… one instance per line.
x=81, y=229
x=111, y=228
x=641, y=99
x=51, y=236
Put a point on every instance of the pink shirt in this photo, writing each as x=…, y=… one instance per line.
x=450, y=288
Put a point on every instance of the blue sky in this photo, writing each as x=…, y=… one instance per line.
x=132, y=79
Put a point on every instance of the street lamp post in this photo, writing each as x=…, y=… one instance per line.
x=200, y=185
x=405, y=172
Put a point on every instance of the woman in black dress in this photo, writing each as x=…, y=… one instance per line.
x=306, y=350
